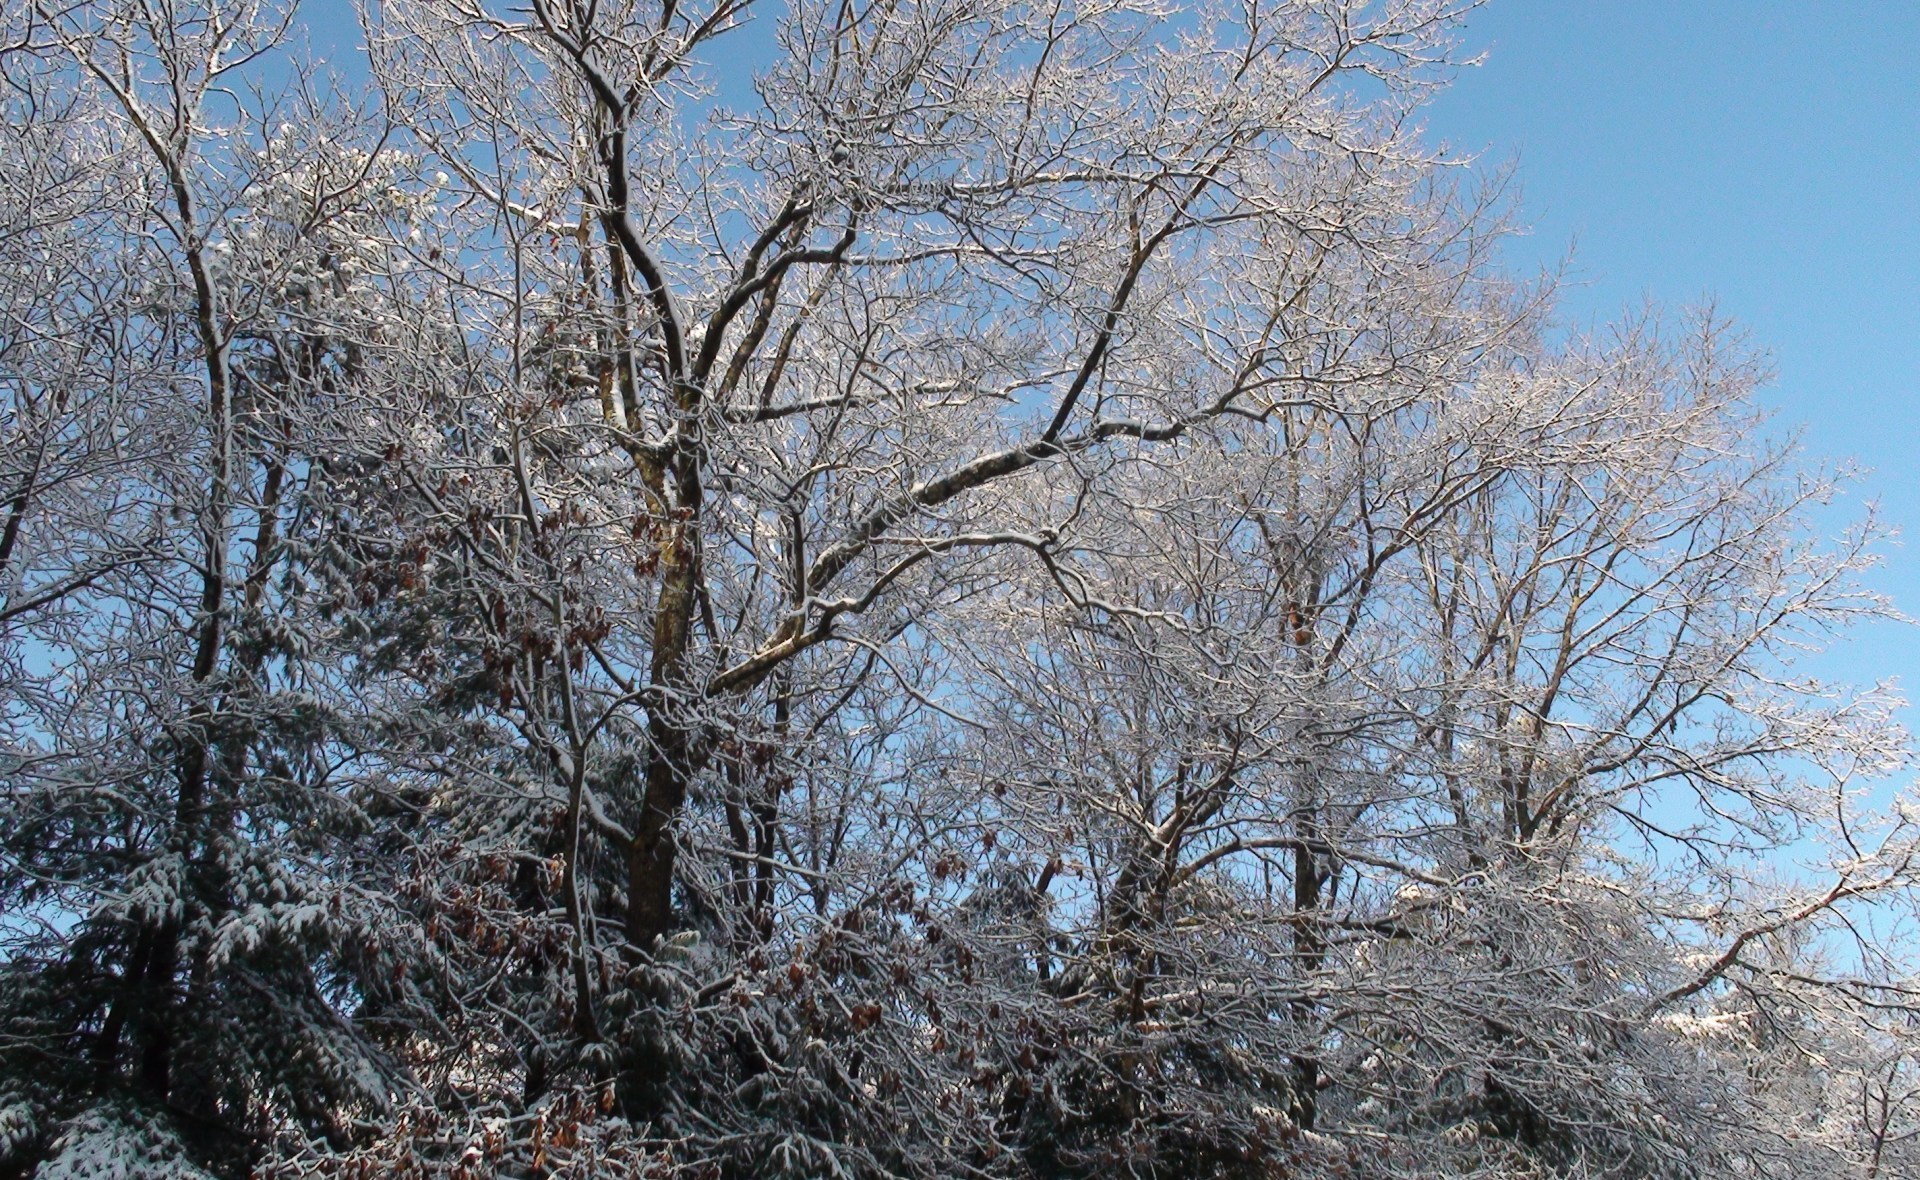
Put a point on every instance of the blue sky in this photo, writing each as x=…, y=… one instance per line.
x=1762, y=153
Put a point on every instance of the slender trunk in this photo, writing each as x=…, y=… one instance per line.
x=586, y=1024
x=673, y=755
x=675, y=749
x=157, y=990
x=17, y=510
x=1308, y=954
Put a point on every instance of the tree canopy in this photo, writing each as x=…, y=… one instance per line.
x=1017, y=594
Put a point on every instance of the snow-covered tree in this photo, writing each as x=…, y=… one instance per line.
x=1020, y=597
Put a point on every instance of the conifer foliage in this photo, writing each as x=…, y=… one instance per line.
x=1010, y=591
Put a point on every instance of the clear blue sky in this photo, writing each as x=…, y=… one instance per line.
x=1764, y=153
